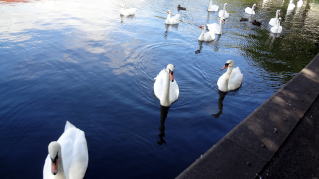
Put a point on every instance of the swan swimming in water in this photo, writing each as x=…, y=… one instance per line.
x=216, y=28
x=223, y=13
x=231, y=79
x=250, y=10
x=170, y=19
x=299, y=3
x=206, y=34
x=165, y=87
x=277, y=28
x=291, y=6
x=127, y=11
x=68, y=156
x=273, y=21
x=212, y=7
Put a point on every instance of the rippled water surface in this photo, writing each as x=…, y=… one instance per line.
x=78, y=60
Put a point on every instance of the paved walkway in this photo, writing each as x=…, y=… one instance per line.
x=299, y=155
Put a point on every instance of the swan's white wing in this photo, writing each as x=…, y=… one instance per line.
x=80, y=157
x=177, y=17
x=222, y=83
x=220, y=13
x=158, y=84
x=215, y=28
x=173, y=91
x=74, y=152
x=273, y=21
x=235, y=79
x=223, y=14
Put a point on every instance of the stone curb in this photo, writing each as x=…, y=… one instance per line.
x=249, y=146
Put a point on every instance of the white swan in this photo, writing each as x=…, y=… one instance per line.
x=216, y=28
x=223, y=13
x=206, y=34
x=165, y=87
x=277, y=28
x=212, y=7
x=68, y=156
x=299, y=3
x=273, y=21
x=125, y=11
x=170, y=19
x=291, y=6
x=231, y=79
x=250, y=10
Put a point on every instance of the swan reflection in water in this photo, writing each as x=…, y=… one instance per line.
x=168, y=27
x=214, y=44
x=220, y=104
x=127, y=17
x=164, y=112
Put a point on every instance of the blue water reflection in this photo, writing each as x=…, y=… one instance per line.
x=79, y=61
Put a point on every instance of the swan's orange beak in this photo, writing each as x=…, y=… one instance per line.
x=171, y=76
x=54, y=166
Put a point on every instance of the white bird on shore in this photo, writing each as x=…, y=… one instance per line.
x=206, y=34
x=223, y=13
x=216, y=28
x=165, y=87
x=212, y=7
x=250, y=10
x=231, y=79
x=273, y=21
x=170, y=19
x=291, y=6
x=277, y=28
x=68, y=156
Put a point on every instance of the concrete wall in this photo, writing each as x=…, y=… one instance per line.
x=248, y=147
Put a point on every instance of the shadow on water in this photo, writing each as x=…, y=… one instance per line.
x=214, y=44
x=220, y=103
x=164, y=112
x=123, y=18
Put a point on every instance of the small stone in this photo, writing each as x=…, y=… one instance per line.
x=275, y=131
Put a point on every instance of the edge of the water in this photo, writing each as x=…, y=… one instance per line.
x=250, y=145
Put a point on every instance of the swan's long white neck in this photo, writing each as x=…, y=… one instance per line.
x=229, y=70
x=253, y=7
x=166, y=84
x=290, y=2
x=277, y=14
x=168, y=16
x=201, y=36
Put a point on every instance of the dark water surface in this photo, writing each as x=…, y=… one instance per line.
x=75, y=60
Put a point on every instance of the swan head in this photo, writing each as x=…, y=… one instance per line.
x=254, y=5
x=229, y=63
x=203, y=27
x=54, y=149
x=170, y=69
x=278, y=12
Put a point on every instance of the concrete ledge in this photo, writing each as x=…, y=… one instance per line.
x=247, y=148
